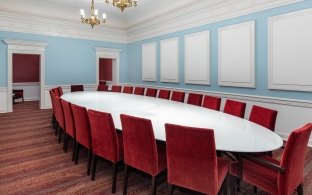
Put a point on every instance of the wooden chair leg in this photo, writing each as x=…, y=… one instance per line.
x=153, y=190
x=89, y=161
x=56, y=128
x=125, y=180
x=238, y=184
x=60, y=134
x=65, y=141
x=170, y=186
x=255, y=189
x=94, y=159
x=74, y=149
x=114, y=177
x=300, y=189
x=77, y=153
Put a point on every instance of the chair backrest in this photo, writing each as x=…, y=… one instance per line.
x=293, y=160
x=211, y=102
x=151, y=92
x=69, y=119
x=235, y=108
x=102, y=88
x=83, y=131
x=177, y=96
x=104, y=137
x=191, y=158
x=59, y=112
x=102, y=82
x=127, y=89
x=263, y=116
x=74, y=88
x=56, y=91
x=52, y=101
x=195, y=99
x=60, y=90
x=140, y=150
x=116, y=88
x=139, y=90
x=164, y=94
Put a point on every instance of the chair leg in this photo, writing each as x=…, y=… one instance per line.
x=238, y=184
x=170, y=186
x=77, y=153
x=64, y=142
x=255, y=189
x=114, y=177
x=300, y=189
x=74, y=149
x=125, y=180
x=56, y=128
x=153, y=190
x=89, y=161
x=94, y=159
x=60, y=134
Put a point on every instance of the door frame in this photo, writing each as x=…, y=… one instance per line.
x=25, y=47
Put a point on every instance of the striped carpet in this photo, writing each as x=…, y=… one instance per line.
x=32, y=162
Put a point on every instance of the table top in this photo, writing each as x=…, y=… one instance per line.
x=231, y=133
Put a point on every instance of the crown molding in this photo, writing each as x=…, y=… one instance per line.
x=200, y=14
x=44, y=26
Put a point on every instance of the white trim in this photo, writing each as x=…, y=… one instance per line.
x=3, y=99
x=197, y=72
x=233, y=49
x=27, y=83
x=25, y=47
x=289, y=85
x=111, y=54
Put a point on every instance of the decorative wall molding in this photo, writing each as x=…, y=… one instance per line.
x=199, y=14
x=149, y=61
x=44, y=26
x=169, y=60
x=290, y=58
x=236, y=54
x=285, y=108
x=197, y=49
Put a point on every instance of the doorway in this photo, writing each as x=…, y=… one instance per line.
x=105, y=70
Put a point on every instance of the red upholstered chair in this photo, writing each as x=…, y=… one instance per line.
x=192, y=161
x=116, y=88
x=18, y=94
x=102, y=88
x=56, y=92
x=60, y=90
x=211, y=102
x=151, y=92
x=59, y=117
x=139, y=90
x=141, y=150
x=74, y=88
x=195, y=99
x=235, y=108
x=70, y=131
x=53, y=109
x=279, y=177
x=164, y=94
x=178, y=96
x=102, y=82
x=127, y=89
x=83, y=133
x=106, y=143
x=263, y=116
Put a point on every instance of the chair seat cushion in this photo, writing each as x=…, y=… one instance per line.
x=259, y=175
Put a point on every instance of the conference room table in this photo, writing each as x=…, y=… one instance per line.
x=231, y=133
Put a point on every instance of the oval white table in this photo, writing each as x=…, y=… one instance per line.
x=231, y=133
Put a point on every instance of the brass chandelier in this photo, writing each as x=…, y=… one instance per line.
x=122, y=4
x=94, y=18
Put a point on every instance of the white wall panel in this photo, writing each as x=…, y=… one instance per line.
x=3, y=99
x=149, y=61
x=169, y=60
x=290, y=46
x=236, y=55
x=197, y=58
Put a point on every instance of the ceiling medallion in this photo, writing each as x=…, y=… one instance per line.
x=94, y=18
x=122, y=4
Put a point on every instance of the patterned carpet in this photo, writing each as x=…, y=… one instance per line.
x=32, y=162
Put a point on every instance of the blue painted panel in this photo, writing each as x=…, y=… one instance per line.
x=261, y=21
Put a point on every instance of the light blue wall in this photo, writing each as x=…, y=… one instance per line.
x=261, y=21
x=68, y=60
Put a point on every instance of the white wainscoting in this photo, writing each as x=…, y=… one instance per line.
x=169, y=60
x=3, y=99
x=31, y=90
x=66, y=89
x=292, y=114
x=290, y=46
x=236, y=55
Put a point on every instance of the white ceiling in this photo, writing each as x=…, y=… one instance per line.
x=68, y=10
